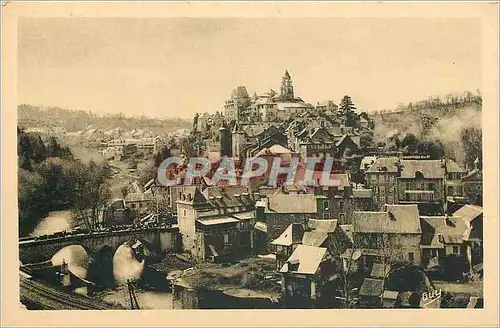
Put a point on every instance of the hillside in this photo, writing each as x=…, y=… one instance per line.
x=79, y=120
x=456, y=125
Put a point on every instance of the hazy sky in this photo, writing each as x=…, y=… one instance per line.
x=169, y=67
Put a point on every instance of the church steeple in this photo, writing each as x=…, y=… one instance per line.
x=287, y=87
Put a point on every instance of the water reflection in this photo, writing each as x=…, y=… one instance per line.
x=125, y=264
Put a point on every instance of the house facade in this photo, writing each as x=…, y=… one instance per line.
x=393, y=233
x=215, y=223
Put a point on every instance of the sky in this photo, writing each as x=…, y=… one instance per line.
x=175, y=67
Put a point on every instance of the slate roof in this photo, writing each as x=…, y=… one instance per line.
x=314, y=238
x=395, y=219
x=283, y=203
x=468, y=212
x=384, y=164
x=317, y=231
x=453, y=167
x=431, y=169
x=292, y=235
x=474, y=175
x=372, y=287
x=368, y=161
x=451, y=230
x=227, y=197
x=309, y=259
x=273, y=150
x=322, y=225
x=389, y=294
x=217, y=220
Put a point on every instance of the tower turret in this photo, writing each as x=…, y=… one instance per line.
x=287, y=93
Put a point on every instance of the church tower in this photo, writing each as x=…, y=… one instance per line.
x=287, y=88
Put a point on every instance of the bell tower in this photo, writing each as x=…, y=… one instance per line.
x=287, y=87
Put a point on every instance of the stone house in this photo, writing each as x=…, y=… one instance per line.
x=381, y=177
x=217, y=222
x=408, y=181
x=304, y=274
x=473, y=217
x=444, y=245
x=422, y=182
x=314, y=233
x=278, y=211
x=393, y=233
x=454, y=183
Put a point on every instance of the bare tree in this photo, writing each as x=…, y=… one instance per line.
x=90, y=192
x=344, y=255
x=390, y=253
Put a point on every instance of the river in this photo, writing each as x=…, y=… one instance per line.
x=61, y=221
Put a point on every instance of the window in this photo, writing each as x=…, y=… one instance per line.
x=341, y=205
x=226, y=239
x=430, y=186
x=456, y=250
x=342, y=218
x=411, y=257
x=133, y=205
x=184, y=212
x=326, y=205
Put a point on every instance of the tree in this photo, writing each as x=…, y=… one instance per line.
x=410, y=141
x=472, y=145
x=344, y=255
x=90, y=192
x=348, y=111
x=32, y=201
x=391, y=257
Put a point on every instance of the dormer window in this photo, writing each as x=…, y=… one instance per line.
x=419, y=175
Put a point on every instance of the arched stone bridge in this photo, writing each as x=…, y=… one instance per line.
x=159, y=240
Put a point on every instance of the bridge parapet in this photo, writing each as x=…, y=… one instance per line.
x=158, y=239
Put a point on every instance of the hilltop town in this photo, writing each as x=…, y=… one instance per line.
x=402, y=228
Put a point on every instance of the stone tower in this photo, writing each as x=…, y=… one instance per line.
x=238, y=141
x=225, y=140
x=287, y=87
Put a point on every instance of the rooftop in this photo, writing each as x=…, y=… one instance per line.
x=308, y=258
x=292, y=235
x=394, y=219
x=430, y=169
x=289, y=203
x=372, y=287
x=451, y=230
x=468, y=212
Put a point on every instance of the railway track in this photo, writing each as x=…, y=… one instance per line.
x=52, y=299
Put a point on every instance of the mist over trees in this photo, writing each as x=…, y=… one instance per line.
x=447, y=126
